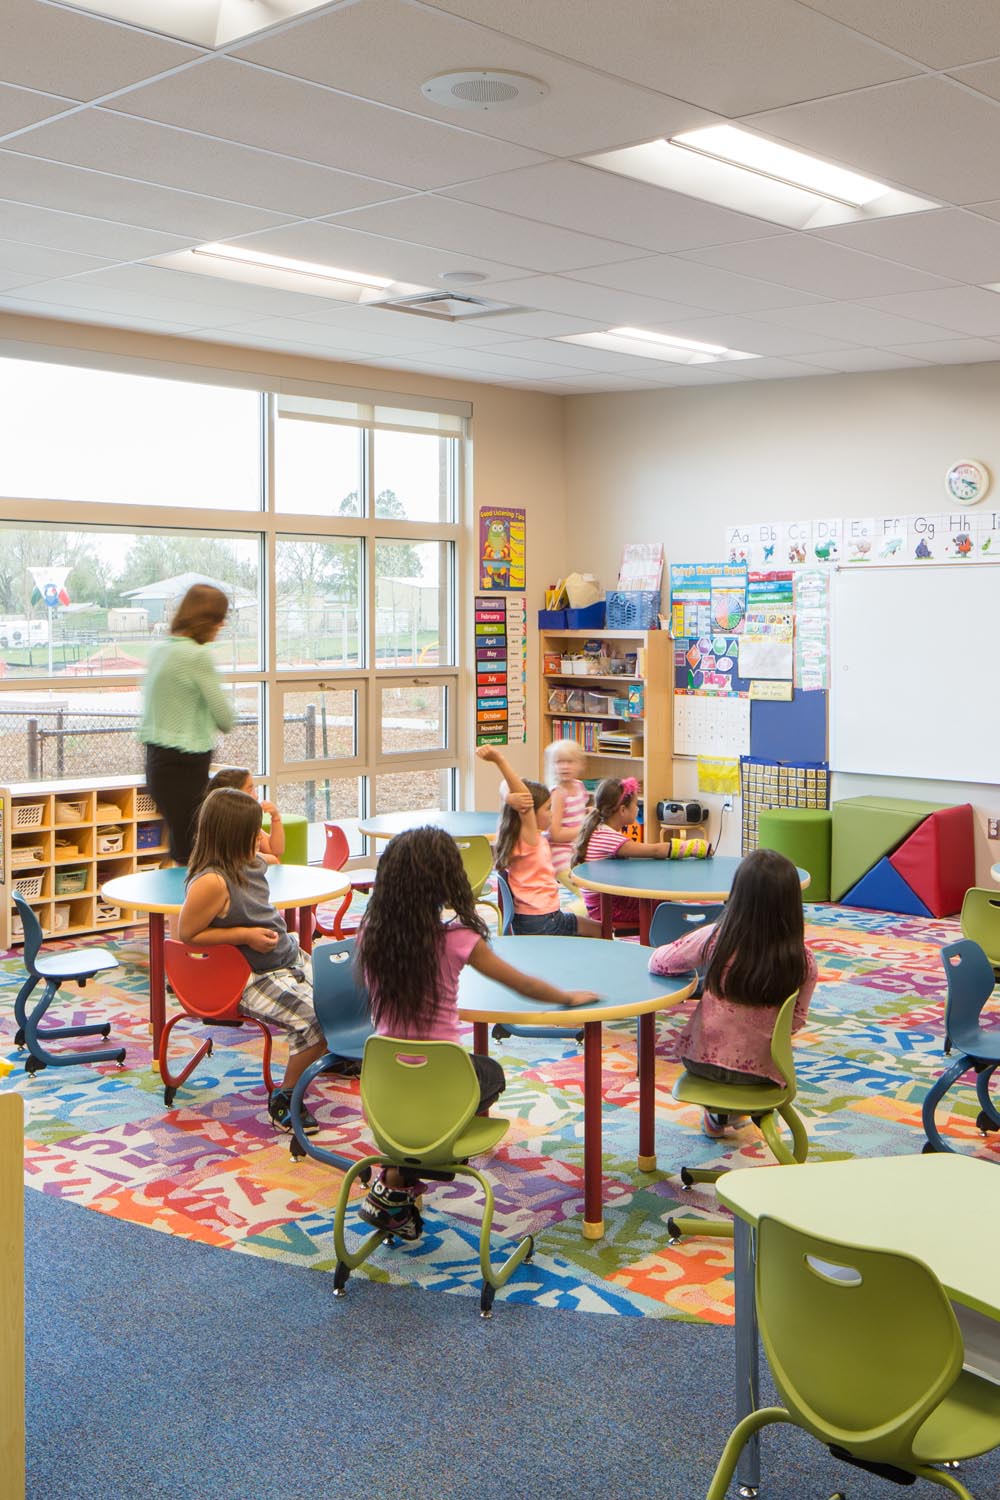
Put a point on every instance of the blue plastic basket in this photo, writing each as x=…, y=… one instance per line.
x=633, y=610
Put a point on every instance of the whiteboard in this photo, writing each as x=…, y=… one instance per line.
x=915, y=672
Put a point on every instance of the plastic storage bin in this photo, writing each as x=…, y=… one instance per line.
x=26, y=854
x=107, y=912
x=110, y=840
x=637, y=609
x=67, y=811
x=60, y=916
x=70, y=882
x=145, y=807
x=591, y=618
x=147, y=836
x=552, y=619
x=27, y=814
x=28, y=886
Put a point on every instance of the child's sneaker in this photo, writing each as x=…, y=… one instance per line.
x=279, y=1107
x=713, y=1125
x=392, y=1210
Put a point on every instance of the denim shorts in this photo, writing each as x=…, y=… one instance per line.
x=545, y=924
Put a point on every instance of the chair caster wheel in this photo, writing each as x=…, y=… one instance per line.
x=120, y=1058
x=169, y=1095
x=105, y=1032
x=486, y=1300
x=686, y=1179
x=499, y=1033
x=33, y=1065
x=19, y=1039
x=296, y=1150
x=531, y=1249
x=340, y=1276
x=365, y=1176
x=579, y=1038
x=984, y=1124
x=209, y=1047
x=928, y=1149
x=673, y=1232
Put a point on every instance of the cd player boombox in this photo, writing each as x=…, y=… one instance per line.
x=681, y=814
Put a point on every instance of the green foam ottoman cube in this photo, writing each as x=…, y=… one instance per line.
x=296, y=826
x=804, y=835
x=865, y=829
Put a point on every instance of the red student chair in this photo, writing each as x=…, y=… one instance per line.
x=209, y=983
x=336, y=853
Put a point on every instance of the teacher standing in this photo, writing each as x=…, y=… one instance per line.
x=183, y=710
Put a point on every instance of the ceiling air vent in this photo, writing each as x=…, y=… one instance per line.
x=447, y=307
x=483, y=88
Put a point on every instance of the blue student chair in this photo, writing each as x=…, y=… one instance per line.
x=500, y=1030
x=342, y=1009
x=970, y=986
x=55, y=969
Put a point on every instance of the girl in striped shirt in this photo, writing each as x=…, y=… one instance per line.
x=602, y=836
x=565, y=763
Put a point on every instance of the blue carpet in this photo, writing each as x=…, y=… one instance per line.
x=160, y=1369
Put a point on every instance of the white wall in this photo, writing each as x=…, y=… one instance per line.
x=677, y=466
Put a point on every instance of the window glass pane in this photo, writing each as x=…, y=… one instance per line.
x=327, y=799
x=414, y=718
x=317, y=467
x=410, y=791
x=320, y=724
x=78, y=434
x=318, y=589
x=412, y=603
x=116, y=592
x=242, y=746
x=414, y=476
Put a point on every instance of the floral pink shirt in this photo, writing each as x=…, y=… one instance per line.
x=719, y=1031
x=457, y=943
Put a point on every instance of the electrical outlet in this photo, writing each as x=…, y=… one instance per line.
x=727, y=806
x=993, y=828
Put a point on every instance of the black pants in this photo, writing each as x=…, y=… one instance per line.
x=177, y=780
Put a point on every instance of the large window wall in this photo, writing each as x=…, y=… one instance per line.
x=331, y=519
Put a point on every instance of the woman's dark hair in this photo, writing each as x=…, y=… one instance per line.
x=399, y=943
x=607, y=800
x=234, y=776
x=509, y=830
x=226, y=835
x=757, y=954
x=200, y=612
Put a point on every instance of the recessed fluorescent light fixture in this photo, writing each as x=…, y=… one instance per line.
x=649, y=345
x=284, y=273
x=207, y=23
x=737, y=169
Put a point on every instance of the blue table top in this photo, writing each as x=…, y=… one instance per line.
x=460, y=825
x=163, y=890
x=617, y=972
x=664, y=879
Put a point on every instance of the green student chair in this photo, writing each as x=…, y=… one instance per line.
x=762, y=1102
x=420, y=1100
x=477, y=859
x=867, y=1356
x=980, y=921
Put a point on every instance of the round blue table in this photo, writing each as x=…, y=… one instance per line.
x=619, y=973
x=461, y=825
x=655, y=880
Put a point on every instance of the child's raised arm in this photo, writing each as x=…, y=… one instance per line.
x=516, y=791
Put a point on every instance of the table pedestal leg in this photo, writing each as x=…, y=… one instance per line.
x=157, y=984
x=747, y=1352
x=647, y=1069
x=480, y=1037
x=646, y=909
x=593, y=1187
x=307, y=924
x=607, y=912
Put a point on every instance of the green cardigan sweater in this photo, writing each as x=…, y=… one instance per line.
x=183, y=705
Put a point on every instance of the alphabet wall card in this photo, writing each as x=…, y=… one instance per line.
x=891, y=539
x=859, y=539
x=501, y=547
x=959, y=536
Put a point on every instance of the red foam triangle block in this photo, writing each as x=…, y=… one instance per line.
x=938, y=860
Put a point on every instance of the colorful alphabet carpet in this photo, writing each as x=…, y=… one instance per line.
x=213, y=1169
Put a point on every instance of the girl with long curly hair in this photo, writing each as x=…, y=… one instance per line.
x=411, y=959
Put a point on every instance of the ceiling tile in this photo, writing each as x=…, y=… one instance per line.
x=962, y=309
x=851, y=321
x=176, y=158
x=583, y=357
x=59, y=310
x=606, y=306
x=333, y=342
x=853, y=361
x=20, y=107
x=583, y=110
x=724, y=57
x=171, y=284
x=684, y=281
x=328, y=243
x=954, y=244
x=43, y=265
x=538, y=325
x=85, y=295
x=82, y=57
x=466, y=227
x=58, y=231
x=813, y=265
x=356, y=322
x=237, y=102
x=53, y=185
x=584, y=198
x=984, y=77
x=751, y=335
x=729, y=372
x=934, y=33
x=926, y=135
x=954, y=351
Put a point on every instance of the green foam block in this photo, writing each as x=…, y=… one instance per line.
x=865, y=829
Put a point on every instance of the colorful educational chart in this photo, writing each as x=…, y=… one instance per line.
x=958, y=536
x=707, y=598
x=767, y=785
x=708, y=664
x=766, y=642
x=501, y=670
x=812, y=629
x=501, y=547
x=641, y=567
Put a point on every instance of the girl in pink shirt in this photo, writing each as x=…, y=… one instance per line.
x=411, y=962
x=756, y=957
x=565, y=763
x=522, y=851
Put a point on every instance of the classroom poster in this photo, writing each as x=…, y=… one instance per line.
x=958, y=536
x=707, y=598
x=501, y=670
x=501, y=547
x=708, y=664
x=812, y=629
